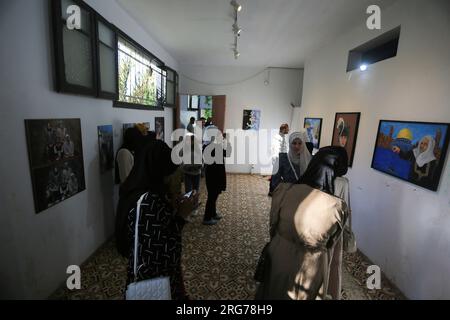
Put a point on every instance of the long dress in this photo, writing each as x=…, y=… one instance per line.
x=305, y=225
x=341, y=190
x=159, y=245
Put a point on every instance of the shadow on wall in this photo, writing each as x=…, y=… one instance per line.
x=100, y=204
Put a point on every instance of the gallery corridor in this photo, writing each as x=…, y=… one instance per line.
x=219, y=261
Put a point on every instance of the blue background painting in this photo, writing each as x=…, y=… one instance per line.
x=386, y=160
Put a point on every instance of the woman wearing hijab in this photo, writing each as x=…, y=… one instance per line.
x=162, y=217
x=306, y=219
x=293, y=164
x=423, y=159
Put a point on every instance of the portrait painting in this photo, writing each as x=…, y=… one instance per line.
x=55, y=155
x=345, y=132
x=412, y=151
x=251, y=120
x=159, y=128
x=313, y=127
x=106, y=148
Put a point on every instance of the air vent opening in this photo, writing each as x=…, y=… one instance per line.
x=376, y=50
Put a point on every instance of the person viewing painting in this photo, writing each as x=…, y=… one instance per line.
x=306, y=221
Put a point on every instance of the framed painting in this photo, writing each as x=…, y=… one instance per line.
x=412, y=151
x=345, y=132
x=143, y=126
x=313, y=127
x=106, y=148
x=251, y=120
x=55, y=154
x=160, y=128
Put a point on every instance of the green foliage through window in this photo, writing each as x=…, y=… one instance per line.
x=140, y=80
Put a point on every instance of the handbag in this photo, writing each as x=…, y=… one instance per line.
x=349, y=239
x=261, y=266
x=263, y=259
x=150, y=289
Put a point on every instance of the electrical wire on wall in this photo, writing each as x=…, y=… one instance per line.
x=266, y=81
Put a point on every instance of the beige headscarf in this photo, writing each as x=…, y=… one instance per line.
x=304, y=157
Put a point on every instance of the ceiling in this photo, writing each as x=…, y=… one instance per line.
x=276, y=33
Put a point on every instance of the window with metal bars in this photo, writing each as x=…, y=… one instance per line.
x=142, y=81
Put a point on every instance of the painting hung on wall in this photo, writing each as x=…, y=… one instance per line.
x=56, y=160
x=251, y=120
x=313, y=127
x=345, y=132
x=106, y=148
x=159, y=128
x=144, y=127
x=412, y=151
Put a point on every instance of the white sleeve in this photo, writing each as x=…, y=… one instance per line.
x=125, y=160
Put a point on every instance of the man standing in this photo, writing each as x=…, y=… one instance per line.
x=280, y=146
x=190, y=126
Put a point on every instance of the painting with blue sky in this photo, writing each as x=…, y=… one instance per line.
x=313, y=128
x=412, y=151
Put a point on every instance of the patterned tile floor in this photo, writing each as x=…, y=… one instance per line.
x=219, y=261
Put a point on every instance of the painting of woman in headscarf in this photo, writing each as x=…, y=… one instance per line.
x=345, y=133
x=412, y=151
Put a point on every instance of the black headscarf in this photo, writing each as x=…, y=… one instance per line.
x=325, y=166
x=152, y=164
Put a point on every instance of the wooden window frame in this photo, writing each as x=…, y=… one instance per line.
x=61, y=83
x=100, y=93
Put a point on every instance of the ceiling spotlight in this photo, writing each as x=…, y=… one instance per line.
x=363, y=67
x=236, y=29
x=236, y=5
x=236, y=54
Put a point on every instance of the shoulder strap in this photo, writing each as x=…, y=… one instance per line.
x=136, y=233
x=292, y=167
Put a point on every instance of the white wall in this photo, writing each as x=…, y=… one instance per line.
x=36, y=249
x=245, y=89
x=399, y=226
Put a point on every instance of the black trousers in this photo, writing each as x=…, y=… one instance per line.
x=210, y=209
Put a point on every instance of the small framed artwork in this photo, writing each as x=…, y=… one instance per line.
x=345, y=132
x=143, y=126
x=412, y=151
x=55, y=154
x=251, y=120
x=106, y=147
x=313, y=127
x=160, y=128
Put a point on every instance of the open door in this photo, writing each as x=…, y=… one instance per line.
x=219, y=108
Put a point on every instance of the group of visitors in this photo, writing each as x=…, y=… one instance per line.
x=309, y=213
